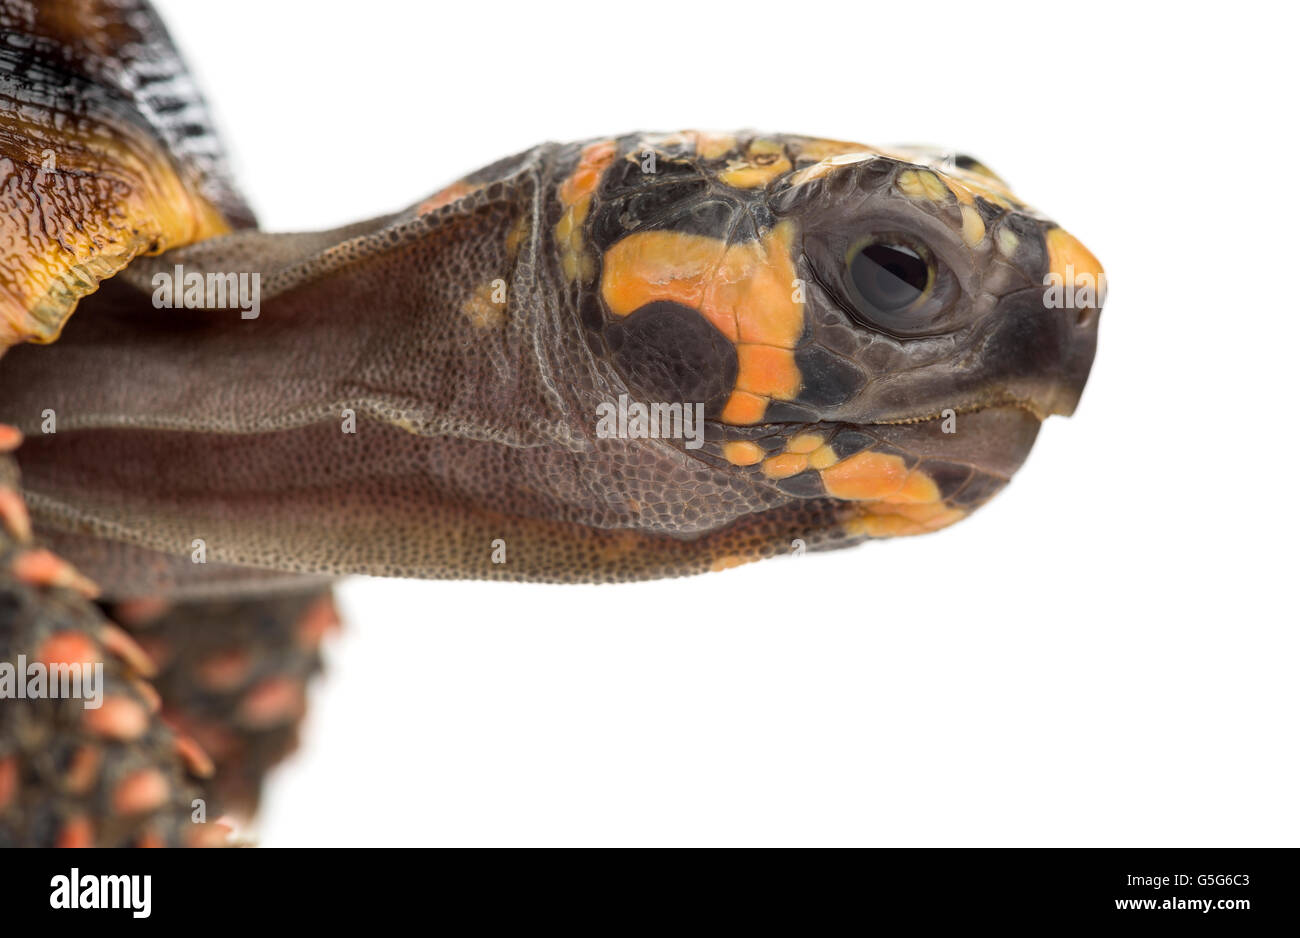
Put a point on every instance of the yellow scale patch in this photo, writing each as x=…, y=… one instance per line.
x=483, y=310
x=576, y=193
x=764, y=161
x=922, y=184
x=742, y=453
x=918, y=184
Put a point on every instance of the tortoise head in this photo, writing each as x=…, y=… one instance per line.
x=883, y=328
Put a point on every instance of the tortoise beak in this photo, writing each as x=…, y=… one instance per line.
x=1078, y=327
x=1075, y=291
x=1040, y=353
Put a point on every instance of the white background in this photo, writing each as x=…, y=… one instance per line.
x=1106, y=655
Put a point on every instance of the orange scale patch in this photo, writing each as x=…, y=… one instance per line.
x=917, y=488
x=744, y=408
x=759, y=286
x=767, y=371
x=729, y=561
x=1073, y=263
x=595, y=158
x=805, y=443
x=885, y=520
x=745, y=290
x=785, y=465
x=865, y=475
x=742, y=453
x=823, y=457
x=457, y=190
x=870, y=476
x=576, y=193
x=667, y=266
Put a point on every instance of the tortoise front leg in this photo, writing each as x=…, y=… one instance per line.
x=233, y=675
x=72, y=775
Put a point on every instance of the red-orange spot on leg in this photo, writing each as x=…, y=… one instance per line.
x=273, y=702
x=8, y=781
x=141, y=610
x=214, y=834
x=152, y=699
x=195, y=759
x=10, y=438
x=118, y=718
x=83, y=769
x=67, y=647
x=13, y=513
x=77, y=832
x=214, y=738
x=126, y=648
x=141, y=791
x=319, y=620
x=41, y=567
x=226, y=669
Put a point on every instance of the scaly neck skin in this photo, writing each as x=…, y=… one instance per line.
x=365, y=399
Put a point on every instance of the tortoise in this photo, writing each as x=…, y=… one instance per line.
x=637, y=356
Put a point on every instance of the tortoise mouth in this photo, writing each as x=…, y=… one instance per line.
x=1002, y=404
x=968, y=454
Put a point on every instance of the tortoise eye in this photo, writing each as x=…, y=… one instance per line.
x=888, y=276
